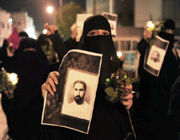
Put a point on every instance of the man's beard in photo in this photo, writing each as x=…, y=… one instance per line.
x=79, y=100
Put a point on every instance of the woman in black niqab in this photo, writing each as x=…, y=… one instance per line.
x=6, y=61
x=31, y=68
x=100, y=44
x=109, y=121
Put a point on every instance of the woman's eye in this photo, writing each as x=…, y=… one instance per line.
x=98, y=32
x=105, y=33
x=93, y=33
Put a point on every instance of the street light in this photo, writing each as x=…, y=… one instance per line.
x=50, y=9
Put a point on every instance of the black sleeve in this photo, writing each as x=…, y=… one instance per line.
x=71, y=44
x=140, y=119
x=174, y=110
x=8, y=108
x=58, y=44
x=141, y=47
x=174, y=119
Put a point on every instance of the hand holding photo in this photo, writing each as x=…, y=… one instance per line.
x=73, y=103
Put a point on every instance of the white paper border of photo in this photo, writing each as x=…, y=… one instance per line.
x=156, y=65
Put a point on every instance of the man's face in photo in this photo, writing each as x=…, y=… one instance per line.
x=79, y=92
x=155, y=56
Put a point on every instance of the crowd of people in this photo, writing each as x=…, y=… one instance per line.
x=152, y=115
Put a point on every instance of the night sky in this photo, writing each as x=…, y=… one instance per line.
x=36, y=9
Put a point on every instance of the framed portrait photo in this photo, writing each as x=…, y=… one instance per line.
x=73, y=103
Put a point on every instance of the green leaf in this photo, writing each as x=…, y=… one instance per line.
x=115, y=100
x=108, y=97
x=112, y=95
x=111, y=92
x=134, y=80
x=125, y=76
x=128, y=81
x=112, y=99
x=107, y=82
x=108, y=79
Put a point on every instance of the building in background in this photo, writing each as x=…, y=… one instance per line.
x=5, y=25
x=126, y=43
x=123, y=8
x=97, y=6
x=154, y=10
x=158, y=10
x=24, y=22
x=127, y=36
x=132, y=17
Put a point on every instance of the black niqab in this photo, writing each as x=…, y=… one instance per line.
x=169, y=37
x=100, y=44
x=170, y=25
x=6, y=61
x=31, y=68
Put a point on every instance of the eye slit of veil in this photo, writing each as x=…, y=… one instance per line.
x=29, y=49
x=98, y=32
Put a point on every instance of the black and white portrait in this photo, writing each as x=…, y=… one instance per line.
x=156, y=57
x=79, y=95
